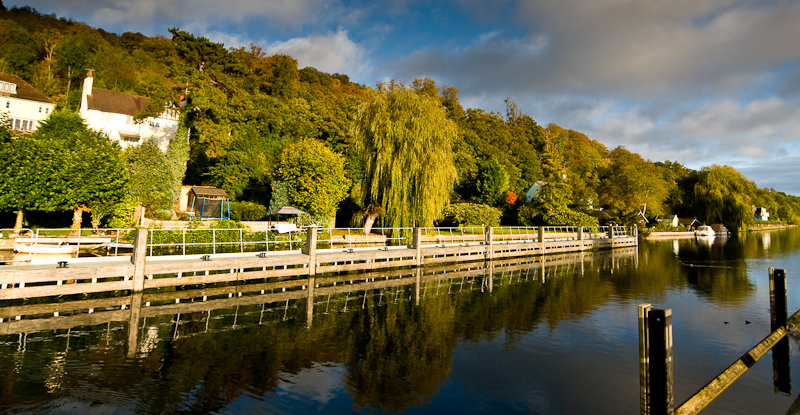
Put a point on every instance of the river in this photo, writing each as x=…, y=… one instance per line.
x=552, y=337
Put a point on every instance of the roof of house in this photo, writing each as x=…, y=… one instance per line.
x=116, y=102
x=24, y=90
x=209, y=192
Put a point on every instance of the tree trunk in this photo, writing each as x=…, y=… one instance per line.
x=77, y=217
x=20, y=219
x=372, y=214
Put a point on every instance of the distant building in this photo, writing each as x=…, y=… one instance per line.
x=760, y=213
x=689, y=223
x=532, y=193
x=24, y=104
x=112, y=113
x=669, y=221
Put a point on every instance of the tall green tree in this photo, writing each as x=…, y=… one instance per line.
x=406, y=139
x=634, y=188
x=492, y=183
x=61, y=166
x=152, y=181
x=314, y=177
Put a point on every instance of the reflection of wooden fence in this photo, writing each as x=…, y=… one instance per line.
x=655, y=352
x=141, y=272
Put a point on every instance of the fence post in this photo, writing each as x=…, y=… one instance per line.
x=580, y=238
x=659, y=359
x=541, y=239
x=416, y=242
x=611, y=233
x=138, y=258
x=489, y=242
x=310, y=301
x=311, y=249
x=133, y=324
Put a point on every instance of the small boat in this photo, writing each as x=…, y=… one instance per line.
x=68, y=245
x=704, y=231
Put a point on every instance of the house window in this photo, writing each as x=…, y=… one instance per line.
x=129, y=119
x=47, y=110
x=40, y=109
x=8, y=87
x=8, y=104
x=21, y=125
x=155, y=124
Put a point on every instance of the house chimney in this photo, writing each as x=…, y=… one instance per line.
x=87, y=90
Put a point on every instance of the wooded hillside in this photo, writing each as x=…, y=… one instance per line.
x=247, y=111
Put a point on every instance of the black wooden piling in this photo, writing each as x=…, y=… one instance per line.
x=659, y=341
x=778, y=311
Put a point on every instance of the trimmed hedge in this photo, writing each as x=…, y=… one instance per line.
x=473, y=214
x=247, y=211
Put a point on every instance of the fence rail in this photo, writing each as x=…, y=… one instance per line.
x=165, y=241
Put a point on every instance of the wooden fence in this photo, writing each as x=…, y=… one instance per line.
x=141, y=272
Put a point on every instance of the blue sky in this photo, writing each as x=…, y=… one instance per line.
x=696, y=81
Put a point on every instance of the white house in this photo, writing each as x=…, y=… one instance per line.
x=25, y=105
x=112, y=113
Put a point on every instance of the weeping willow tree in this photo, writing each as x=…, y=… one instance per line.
x=406, y=140
x=724, y=195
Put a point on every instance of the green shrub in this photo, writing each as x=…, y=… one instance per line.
x=248, y=211
x=473, y=214
x=163, y=214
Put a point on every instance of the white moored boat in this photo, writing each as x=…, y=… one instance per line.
x=704, y=231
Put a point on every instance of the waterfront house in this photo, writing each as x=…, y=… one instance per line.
x=689, y=223
x=25, y=106
x=760, y=213
x=671, y=222
x=113, y=113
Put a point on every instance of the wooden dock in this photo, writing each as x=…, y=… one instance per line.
x=142, y=272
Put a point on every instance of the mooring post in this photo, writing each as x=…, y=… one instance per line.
x=580, y=237
x=311, y=249
x=644, y=361
x=659, y=345
x=781, y=370
x=777, y=298
x=416, y=242
x=489, y=242
x=611, y=233
x=138, y=258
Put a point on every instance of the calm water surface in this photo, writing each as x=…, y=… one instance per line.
x=558, y=337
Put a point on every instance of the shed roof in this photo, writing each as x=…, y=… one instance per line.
x=24, y=90
x=210, y=192
x=116, y=102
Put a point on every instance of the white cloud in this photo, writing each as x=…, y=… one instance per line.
x=333, y=52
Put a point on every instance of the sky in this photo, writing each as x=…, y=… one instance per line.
x=700, y=82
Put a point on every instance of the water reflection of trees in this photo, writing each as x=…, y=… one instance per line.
x=397, y=354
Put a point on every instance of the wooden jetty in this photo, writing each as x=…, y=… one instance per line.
x=141, y=271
